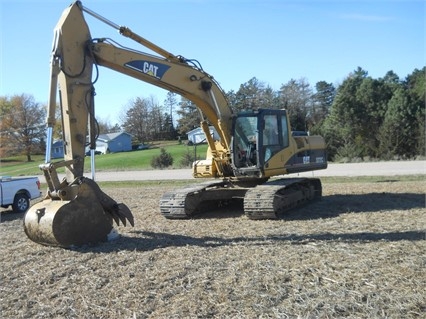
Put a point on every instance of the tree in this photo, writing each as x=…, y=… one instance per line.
x=189, y=116
x=391, y=78
x=157, y=121
x=322, y=100
x=340, y=127
x=372, y=96
x=22, y=125
x=5, y=108
x=104, y=126
x=135, y=121
x=378, y=118
x=231, y=96
x=416, y=86
x=253, y=94
x=396, y=134
x=170, y=103
x=143, y=119
x=296, y=97
x=115, y=128
x=358, y=108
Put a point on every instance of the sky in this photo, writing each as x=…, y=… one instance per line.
x=234, y=40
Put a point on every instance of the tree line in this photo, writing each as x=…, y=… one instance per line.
x=360, y=118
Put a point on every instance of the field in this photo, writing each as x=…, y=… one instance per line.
x=358, y=253
x=134, y=160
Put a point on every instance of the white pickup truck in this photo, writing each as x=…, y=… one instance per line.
x=18, y=191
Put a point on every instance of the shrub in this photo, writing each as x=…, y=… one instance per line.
x=347, y=153
x=163, y=160
x=188, y=158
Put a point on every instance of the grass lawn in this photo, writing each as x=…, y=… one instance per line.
x=134, y=160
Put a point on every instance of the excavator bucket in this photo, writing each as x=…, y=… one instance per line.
x=86, y=219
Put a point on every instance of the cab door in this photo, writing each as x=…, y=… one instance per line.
x=274, y=134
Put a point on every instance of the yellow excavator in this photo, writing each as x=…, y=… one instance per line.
x=254, y=147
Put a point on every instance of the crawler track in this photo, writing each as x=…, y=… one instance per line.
x=186, y=202
x=269, y=200
x=265, y=201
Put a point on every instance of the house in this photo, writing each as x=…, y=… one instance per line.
x=57, y=149
x=197, y=136
x=106, y=143
x=114, y=142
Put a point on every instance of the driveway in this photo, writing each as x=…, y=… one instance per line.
x=350, y=169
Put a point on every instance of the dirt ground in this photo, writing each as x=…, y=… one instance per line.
x=358, y=253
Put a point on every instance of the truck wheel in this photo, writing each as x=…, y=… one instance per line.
x=21, y=203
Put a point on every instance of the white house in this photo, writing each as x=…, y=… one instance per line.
x=197, y=136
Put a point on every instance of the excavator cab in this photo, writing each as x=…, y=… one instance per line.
x=258, y=137
x=264, y=146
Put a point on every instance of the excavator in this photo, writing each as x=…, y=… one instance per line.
x=254, y=149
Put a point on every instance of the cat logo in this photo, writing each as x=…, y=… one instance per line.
x=153, y=69
x=150, y=69
x=306, y=159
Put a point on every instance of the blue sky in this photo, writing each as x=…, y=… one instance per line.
x=234, y=40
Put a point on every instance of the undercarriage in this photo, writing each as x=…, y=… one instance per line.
x=261, y=201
